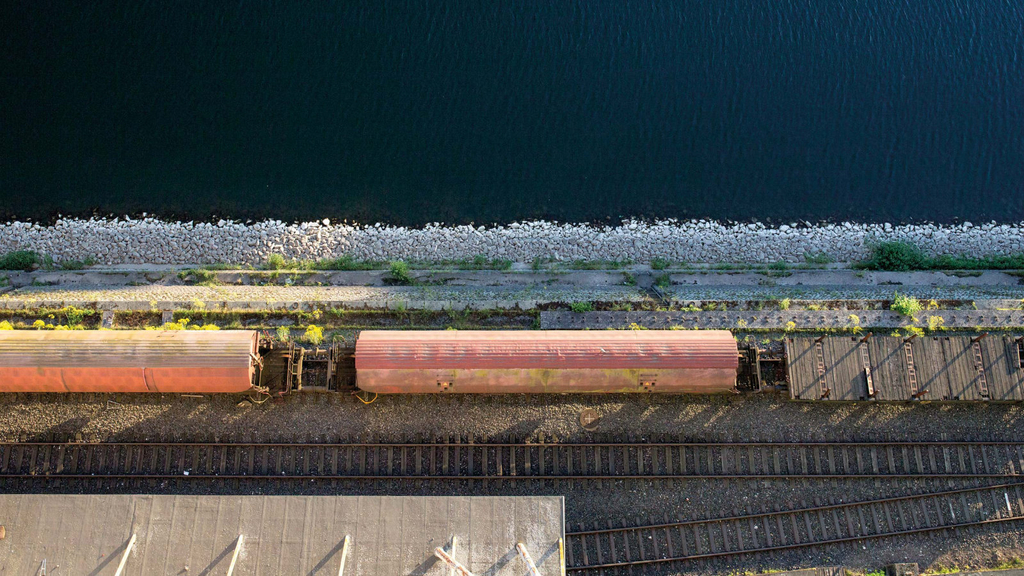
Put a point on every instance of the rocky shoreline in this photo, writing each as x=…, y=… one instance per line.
x=153, y=241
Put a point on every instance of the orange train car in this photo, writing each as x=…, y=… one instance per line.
x=546, y=361
x=128, y=361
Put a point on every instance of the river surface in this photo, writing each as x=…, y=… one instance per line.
x=589, y=110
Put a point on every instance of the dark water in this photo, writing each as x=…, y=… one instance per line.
x=465, y=111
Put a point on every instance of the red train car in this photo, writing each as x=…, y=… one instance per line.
x=496, y=362
x=128, y=361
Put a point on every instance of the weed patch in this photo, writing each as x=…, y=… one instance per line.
x=199, y=277
x=905, y=305
x=598, y=264
x=398, y=273
x=314, y=334
x=19, y=260
x=902, y=256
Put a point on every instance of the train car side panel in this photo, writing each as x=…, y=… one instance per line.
x=25, y=379
x=127, y=361
x=198, y=381
x=480, y=362
x=90, y=379
x=539, y=380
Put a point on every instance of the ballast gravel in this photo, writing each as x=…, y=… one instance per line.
x=765, y=417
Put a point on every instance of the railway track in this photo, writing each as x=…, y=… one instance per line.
x=610, y=548
x=513, y=461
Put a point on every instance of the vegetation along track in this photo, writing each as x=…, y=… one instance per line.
x=512, y=461
x=617, y=548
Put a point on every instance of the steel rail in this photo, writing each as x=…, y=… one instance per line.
x=944, y=498
x=662, y=525
x=514, y=461
x=867, y=444
x=439, y=477
x=793, y=546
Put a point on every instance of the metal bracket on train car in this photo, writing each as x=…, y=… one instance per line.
x=979, y=366
x=333, y=355
x=443, y=386
x=293, y=368
x=820, y=358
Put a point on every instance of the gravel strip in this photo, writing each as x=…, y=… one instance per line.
x=285, y=297
x=779, y=319
x=333, y=417
x=688, y=293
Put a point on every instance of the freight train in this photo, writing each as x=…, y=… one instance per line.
x=515, y=361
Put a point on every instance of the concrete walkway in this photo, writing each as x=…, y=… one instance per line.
x=163, y=289
x=780, y=319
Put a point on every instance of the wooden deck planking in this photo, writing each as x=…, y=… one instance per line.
x=993, y=359
x=945, y=368
x=879, y=368
x=1015, y=374
x=963, y=377
x=898, y=368
x=802, y=369
x=888, y=365
x=1002, y=368
x=933, y=373
x=845, y=371
x=956, y=376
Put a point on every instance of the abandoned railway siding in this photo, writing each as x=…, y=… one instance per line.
x=858, y=435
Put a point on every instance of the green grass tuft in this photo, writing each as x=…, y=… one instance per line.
x=199, y=277
x=896, y=256
x=398, y=271
x=905, y=256
x=19, y=260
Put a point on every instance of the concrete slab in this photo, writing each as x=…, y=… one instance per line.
x=88, y=534
x=776, y=319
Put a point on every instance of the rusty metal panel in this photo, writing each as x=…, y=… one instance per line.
x=703, y=362
x=17, y=379
x=127, y=361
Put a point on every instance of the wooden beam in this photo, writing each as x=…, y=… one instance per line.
x=452, y=562
x=561, y=556
x=344, y=555
x=455, y=542
x=530, y=566
x=124, y=557
x=234, y=555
